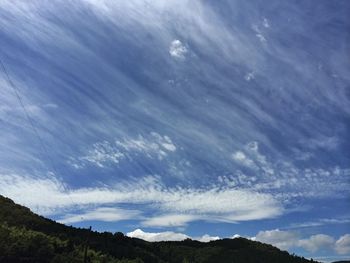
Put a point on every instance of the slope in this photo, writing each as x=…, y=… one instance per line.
x=27, y=237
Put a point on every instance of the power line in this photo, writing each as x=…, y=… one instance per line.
x=31, y=123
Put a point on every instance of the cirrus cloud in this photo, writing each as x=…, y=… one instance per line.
x=220, y=204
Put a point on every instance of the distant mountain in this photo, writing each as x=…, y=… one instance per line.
x=342, y=261
x=27, y=237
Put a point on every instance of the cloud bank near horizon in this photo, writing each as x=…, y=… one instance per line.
x=281, y=239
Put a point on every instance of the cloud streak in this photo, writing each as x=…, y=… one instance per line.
x=216, y=204
x=107, y=153
x=314, y=243
x=216, y=111
x=106, y=214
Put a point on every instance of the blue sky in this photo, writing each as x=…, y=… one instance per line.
x=181, y=118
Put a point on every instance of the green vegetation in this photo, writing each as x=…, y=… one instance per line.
x=23, y=245
x=27, y=237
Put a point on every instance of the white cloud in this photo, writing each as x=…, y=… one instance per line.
x=106, y=214
x=301, y=155
x=319, y=242
x=177, y=49
x=321, y=222
x=102, y=153
x=48, y=196
x=323, y=142
x=259, y=34
x=241, y=158
x=281, y=239
x=251, y=157
x=237, y=197
x=207, y=238
x=260, y=29
x=215, y=35
x=232, y=204
x=316, y=242
x=342, y=246
x=12, y=112
x=168, y=236
x=206, y=28
x=164, y=142
x=249, y=76
x=107, y=153
x=161, y=236
x=330, y=259
x=172, y=220
x=266, y=23
x=284, y=240
x=283, y=179
x=275, y=179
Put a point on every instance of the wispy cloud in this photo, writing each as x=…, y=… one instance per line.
x=215, y=204
x=314, y=243
x=283, y=178
x=320, y=222
x=106, y=214
x=233, y=134
x=170, y=220
x=241, y=158
x=239, y=197
x=108, y=153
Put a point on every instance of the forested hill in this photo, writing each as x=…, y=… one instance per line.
x=27, y=237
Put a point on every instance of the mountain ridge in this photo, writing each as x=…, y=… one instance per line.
x=33, y=238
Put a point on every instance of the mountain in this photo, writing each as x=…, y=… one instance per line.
x=27, y=237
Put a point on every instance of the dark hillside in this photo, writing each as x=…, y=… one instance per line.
x=27, y=237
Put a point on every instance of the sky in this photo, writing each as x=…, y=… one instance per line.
x=173, y=119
